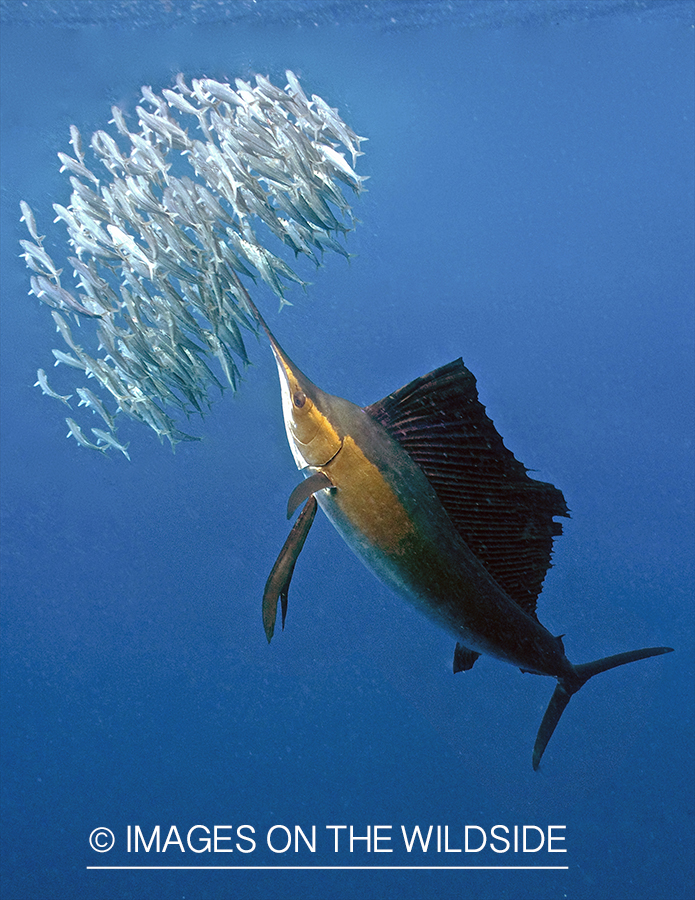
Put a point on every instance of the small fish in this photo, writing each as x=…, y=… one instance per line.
x=181, y=84
x=206, y=199
x=324, y=240
x=76, y=432
x=88, y=198
x=295, y=89
x=179, y=102
x=336, y=127
x=76, y=142
x=221, y=92
x=84, y=245
x=38, y=291
x=30, y=221
x=299, y=239
x=322, y=210
x=268, y=89
x=87, y=225
x=42, y=382
x=200, y=94
x=63, y=327
x=118, y=119
x=106, y=376
x=67, y=216
x=149, y=95
x=126, y=245
x=225, y=359
x=98, y=290
x=78, y=168
x=111, y=441
x=339, y=162
x=149, y=154
x=166, y=128
x=64, y=298
x=108, y=150
x=87, y=398
x=37, y=255
x=68, y=360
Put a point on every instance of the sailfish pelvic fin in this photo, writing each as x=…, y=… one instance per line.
x=278, y=583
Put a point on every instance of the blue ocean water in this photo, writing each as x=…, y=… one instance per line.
x=530, y=208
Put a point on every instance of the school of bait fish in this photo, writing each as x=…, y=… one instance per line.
x=166, y=236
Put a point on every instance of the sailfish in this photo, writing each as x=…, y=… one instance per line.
x=422, y=488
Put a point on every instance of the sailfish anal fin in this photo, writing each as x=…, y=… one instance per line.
x=464, y=658
x=505, y=517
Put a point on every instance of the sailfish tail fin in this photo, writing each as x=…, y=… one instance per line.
x=565, y=689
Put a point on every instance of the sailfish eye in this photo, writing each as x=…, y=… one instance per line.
x=299, y=399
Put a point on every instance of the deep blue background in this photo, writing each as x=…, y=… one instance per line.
x=530, y=208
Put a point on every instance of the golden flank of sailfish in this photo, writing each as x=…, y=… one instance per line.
x=422, y=488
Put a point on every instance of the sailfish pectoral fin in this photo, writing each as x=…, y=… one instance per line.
x=278, y=583
x=316, y=482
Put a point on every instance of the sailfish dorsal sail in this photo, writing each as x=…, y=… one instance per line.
x=505, y=517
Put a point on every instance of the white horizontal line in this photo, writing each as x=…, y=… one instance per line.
x=342, y=868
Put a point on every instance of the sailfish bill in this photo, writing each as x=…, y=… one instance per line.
x=422, y=488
